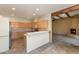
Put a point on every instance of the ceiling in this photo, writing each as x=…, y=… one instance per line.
x=27, y=10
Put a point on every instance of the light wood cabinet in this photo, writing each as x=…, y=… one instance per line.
x=41, y=24
x=21, y=24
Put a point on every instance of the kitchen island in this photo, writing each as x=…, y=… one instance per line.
x=36, y=39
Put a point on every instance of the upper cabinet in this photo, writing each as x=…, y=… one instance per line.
x=21, y=24
x=41, y=24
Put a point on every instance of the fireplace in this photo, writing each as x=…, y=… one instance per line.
x=73, y=31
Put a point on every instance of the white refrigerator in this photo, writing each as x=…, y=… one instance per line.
x=4, y=34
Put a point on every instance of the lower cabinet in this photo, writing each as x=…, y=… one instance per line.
x=36, y=39
x=4, y=44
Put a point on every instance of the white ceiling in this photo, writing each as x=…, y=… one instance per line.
x=27, y=10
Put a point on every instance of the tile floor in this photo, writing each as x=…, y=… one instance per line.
x=50, y=48
x=57, y=48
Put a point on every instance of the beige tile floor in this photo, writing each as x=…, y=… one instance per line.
x=18, y=47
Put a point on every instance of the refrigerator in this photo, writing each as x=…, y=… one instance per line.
x=4, y=34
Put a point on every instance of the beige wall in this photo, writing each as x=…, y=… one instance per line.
x=62, y=26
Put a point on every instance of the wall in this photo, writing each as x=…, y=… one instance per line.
x=63, y=26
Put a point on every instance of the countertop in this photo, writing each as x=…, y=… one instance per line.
x=35, y=32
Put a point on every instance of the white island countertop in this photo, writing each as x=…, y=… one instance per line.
x=35, y=32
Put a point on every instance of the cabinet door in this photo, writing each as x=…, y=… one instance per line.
x=4, y=34
x=4, y=44
x=35, y=40
x=4, y=26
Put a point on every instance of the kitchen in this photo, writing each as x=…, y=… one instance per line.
x=29, y=27
x=21, y=30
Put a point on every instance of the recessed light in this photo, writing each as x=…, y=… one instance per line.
x=34, y=14
x=13, y=9
x=37, y=9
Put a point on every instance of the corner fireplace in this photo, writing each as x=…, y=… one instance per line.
x=73, y=31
